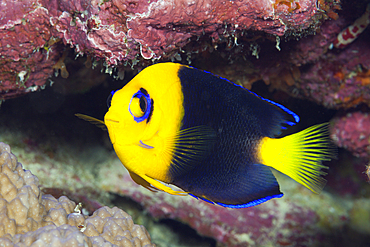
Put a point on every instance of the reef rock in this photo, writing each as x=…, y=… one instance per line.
x=120, y=32
x=29, y=217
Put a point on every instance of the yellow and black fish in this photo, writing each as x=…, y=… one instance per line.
x=213, y=139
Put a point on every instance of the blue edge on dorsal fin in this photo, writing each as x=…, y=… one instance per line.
x=295, y=116
x=246, y=205
x=262, y=200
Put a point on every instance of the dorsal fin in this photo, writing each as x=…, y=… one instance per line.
x=289, y=112
x=294, y=117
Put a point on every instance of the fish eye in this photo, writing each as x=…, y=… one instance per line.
x=140, y=105
x=109, y=99
x=143, y=104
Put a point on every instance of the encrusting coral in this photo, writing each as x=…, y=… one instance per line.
x=29, y=217
x=34, y=33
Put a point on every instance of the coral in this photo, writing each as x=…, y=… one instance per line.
x=128, y=32
x=28, y=49
x=329, y=7
x=289, y=3
x=311, y=68
x=308, y=68
x=312, y=48
x=340, y=80
x=352, y=132
x=28, y=217
x=335, y=78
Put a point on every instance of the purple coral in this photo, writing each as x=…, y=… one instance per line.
x=127, y=32
x=352, y=132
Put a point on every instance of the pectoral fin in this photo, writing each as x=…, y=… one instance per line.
x=95, y=121
x=192, y=146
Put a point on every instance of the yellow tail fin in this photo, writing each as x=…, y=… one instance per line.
x=299, y=155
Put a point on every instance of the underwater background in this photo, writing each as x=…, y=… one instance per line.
x=302, y=68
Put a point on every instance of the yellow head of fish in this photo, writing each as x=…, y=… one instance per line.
x=141, y=134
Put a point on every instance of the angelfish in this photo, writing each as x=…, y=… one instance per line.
x=215, y=140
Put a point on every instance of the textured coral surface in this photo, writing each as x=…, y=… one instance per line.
x=125, y=32
x=28, y=217
x=352, y=132
x=336, y=78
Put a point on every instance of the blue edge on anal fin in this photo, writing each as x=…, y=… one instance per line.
x=246, y=205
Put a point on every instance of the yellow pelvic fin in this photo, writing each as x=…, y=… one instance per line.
x=151, y=184
x=299, y=155
x=95, y=121
x=139, y=180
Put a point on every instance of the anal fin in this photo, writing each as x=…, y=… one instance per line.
x=250, y=186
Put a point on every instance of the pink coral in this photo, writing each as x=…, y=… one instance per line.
x=126, y=32
x=352, y=132
x=27, y=53
x=337, y=78
x=340, y=79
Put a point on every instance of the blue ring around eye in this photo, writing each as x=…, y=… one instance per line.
x=139, y=94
